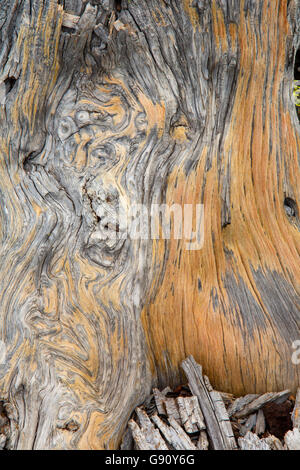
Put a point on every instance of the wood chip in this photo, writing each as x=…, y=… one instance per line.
x=292, y=439
x=249, y=424
x=261, y=401
x=2, y=441
x=240, y=403
x=172, y=409
x=216, y=417
x=159, y=398
x=138, y=435
x=227, y=398
x=252, y=442
x=182, y=435
x=260, y=426
x=273, y=442
x=174, y=434
x=152, y=435
x=70, y=21
x=190, y=413
x=296, y=411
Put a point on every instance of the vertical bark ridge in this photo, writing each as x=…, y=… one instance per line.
x=233, y=325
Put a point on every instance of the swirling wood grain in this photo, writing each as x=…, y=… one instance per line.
x=159, y=102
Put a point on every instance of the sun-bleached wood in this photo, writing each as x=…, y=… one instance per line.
x=106, y=103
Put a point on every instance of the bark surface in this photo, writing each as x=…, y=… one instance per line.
x=106, y=104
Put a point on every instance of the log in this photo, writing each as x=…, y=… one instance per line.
x=110, y=108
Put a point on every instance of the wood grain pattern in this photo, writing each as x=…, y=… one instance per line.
x=161, y=102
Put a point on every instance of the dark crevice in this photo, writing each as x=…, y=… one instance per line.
x=28, y=162
x=9, y=83
x=66, y=29
x=118, y=5
x=297, y=82
x=297, y=66
x=290, y=207
x=4, y=426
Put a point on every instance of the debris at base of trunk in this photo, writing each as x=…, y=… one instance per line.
x=197, y=417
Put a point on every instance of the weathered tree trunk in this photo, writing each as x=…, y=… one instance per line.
x=107, y=104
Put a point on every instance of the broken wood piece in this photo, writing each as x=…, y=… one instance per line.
x=172, y=409
x=296, y=411
x=216, y=417
x=252, y=442
x=248, y=425
x=70, y=21
x=240, y=403
x=260, y=402
x=203, y=443
x=190, y=413
x=227, y=398
x=138, y=436
x=2, y=441
x=159, y=398
x=152, y=435
x=260, y=426
x=292, y=439
x=174, y=434
x=182, y=435
x=273, y=442
x=118, y=25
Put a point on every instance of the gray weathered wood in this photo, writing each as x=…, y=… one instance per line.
x=252, y=442
x=172, y=410
x=273, y=442
x=152, y=435
x=260, y=426
x=249, y=424
x=174, y=434
x=109, y=104
x=139, y=437
x=203, y=443
x=159, y=399
x=2, y=441
x=190, y=413
x=292, y=439
x=127, y=440
x=260, y=402
x=212, y=406
x=240, y=403
x=296, y=411
x=146, y=436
